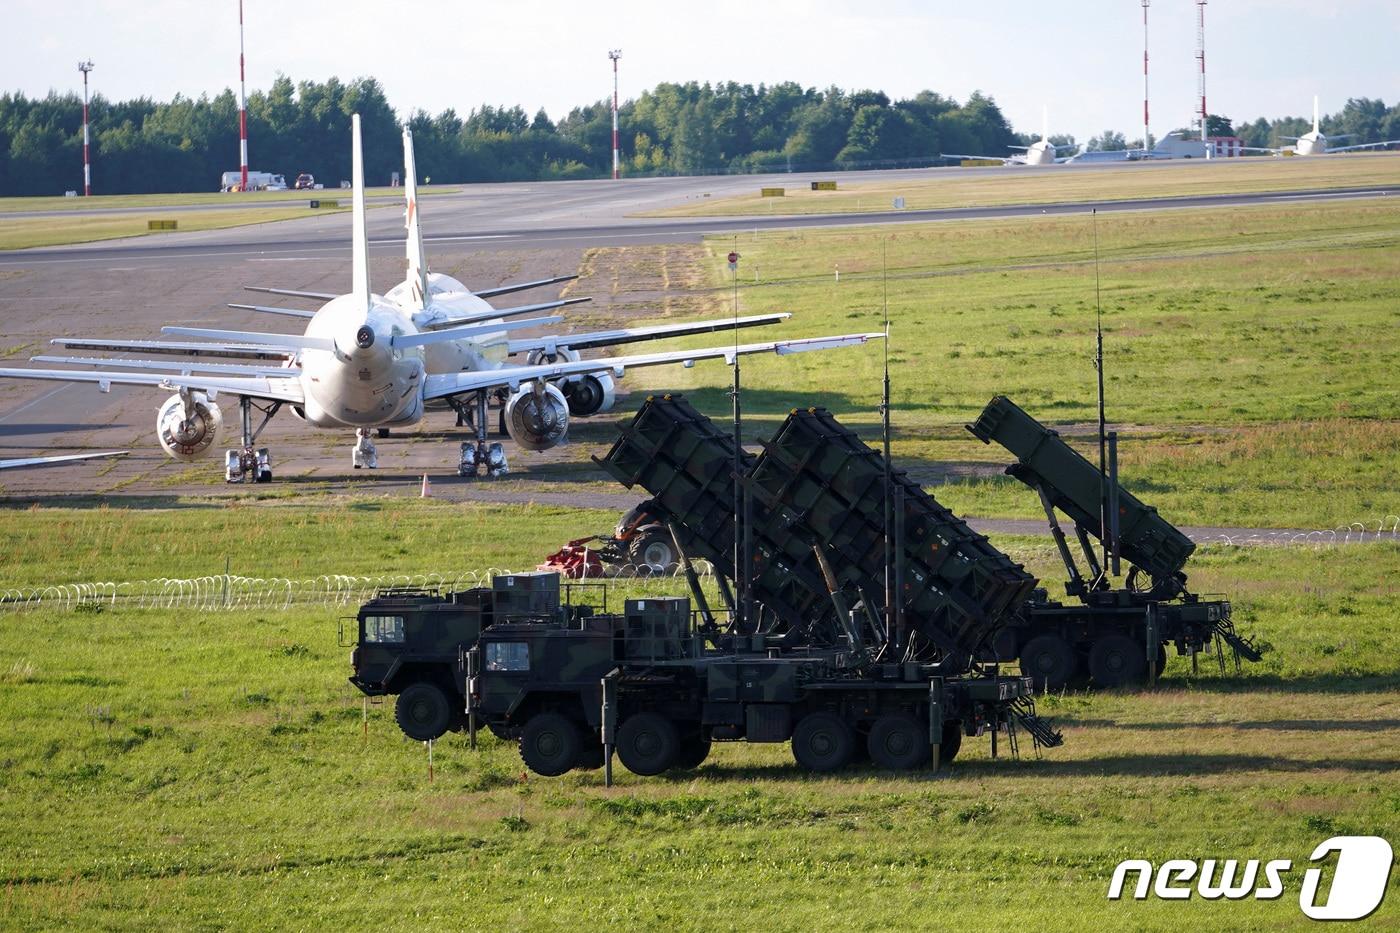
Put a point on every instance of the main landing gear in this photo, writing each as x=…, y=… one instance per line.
x=478, y=454
x=246, y=464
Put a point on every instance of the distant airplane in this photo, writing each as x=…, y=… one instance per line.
x=1316, y=142
x=361, y=364
x=65, y=458
x=1041, y=152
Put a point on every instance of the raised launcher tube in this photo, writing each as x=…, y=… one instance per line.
x=817, y=485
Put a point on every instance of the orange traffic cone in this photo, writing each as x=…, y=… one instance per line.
x=427, y=492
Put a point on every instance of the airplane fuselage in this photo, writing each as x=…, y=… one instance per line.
x=1314, y=143
x=365, y=381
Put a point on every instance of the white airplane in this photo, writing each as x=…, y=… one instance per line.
x=1041, y=152
x=64, y=458
x=361, y=364
x=1317, y=143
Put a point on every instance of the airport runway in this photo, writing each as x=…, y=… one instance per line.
x=484, y=235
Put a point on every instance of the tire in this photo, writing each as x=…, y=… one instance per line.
x=1117, y=661
x=951, y=743
x=823, y=742
x=590, y=756
x=550, y=744
x=1161, y=660
x=1049, y=661
x=899, y=743
x=648, y=744
x=695, y=748
x=654, y=549
x=381, y=432
x=423, y=712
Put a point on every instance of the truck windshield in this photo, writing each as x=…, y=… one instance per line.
x=381, y=629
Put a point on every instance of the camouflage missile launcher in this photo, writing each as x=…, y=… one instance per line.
x=1118, y=636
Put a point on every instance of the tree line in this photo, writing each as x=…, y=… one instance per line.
x=185, y=144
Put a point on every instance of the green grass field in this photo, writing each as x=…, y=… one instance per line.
x=209, y=198
x=970, y=188
x=28, y=232
x=1249, y=352
x=200, y=770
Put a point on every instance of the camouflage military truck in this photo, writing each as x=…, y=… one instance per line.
x=658, y=684
x=1114, y=636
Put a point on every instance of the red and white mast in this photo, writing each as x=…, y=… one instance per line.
x=614, y=54
x=1201, y=58
x=1146, y=122
x=85, y=67
x=242, y=108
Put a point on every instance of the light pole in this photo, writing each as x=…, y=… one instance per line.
x=1146, y=123
x=615, y=54
x=242, y=108
x=85, y=67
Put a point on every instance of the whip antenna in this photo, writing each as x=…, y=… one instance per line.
x=1098, y=365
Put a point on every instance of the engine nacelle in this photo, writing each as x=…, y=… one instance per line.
x=590, y=394
x=560, y=354
x=189, y=436
x=537, y=420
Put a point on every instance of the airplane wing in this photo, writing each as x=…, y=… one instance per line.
x=466, y=333
x=289, y=342
x=444, y=385
x=268, y=309
x=319, y=296
x=65, y=458
x=522, y=286
x=456, y=320
x=608, y=338
x=1388, y=142
x=954, y=155
x=174, y=348
x=184, y=368
x=1260, y=149
x=270, y=388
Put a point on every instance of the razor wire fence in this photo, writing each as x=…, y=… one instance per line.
x=230, y=592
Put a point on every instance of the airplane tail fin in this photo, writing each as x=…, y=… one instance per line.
x=1044, y=124
x=417, y=262
x=359, y=285
x=1315, y=114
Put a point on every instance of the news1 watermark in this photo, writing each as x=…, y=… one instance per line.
x=1358, y=879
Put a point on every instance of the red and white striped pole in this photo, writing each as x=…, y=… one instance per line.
x=1201, y=56
x=242, y=107
x=85, y=67
x=615, y=54
x=1146, y=122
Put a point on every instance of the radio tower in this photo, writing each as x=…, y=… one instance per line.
x=85, y=67
x=1201, y=58
x=615, y=54
x=1146, y=131
x=242, y=108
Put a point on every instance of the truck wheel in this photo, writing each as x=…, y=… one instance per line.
x=549, y=744
x=590, y=756
x=952, y=741
x=823, y=742
x=899, y=743
x=1049, y=661
x=695, y=748
x=1117, y=661
x=653, y=549
x=423, y=712
x=1161, y=660
x=648, y=744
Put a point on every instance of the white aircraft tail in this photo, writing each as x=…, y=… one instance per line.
x=359, y=285
x=1044, y=124
x=1315, y=114
x=417, y=262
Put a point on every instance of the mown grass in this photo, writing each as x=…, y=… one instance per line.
x=971, y=188
x=1249, y=352
x=198, y=770
x=28, y=232
x=211, y=198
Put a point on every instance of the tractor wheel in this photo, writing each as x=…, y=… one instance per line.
x=1117, y=661
x=422, y=712
x=550, y=744
x=899, y=743
x=1049, y=661
x=648, y=744
x=653, y=549
x=823, y=742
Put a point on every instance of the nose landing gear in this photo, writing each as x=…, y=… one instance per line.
x=364, y=454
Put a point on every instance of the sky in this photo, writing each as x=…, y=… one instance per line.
x=1079, y=59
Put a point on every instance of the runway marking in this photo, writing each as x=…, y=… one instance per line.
x=289, y=259
x=36, y=401
x=478, y=236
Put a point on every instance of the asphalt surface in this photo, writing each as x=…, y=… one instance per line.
x=485, y=235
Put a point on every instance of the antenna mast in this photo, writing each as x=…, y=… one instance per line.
x=615, y=54
x=1201, y=58
x=86, y=67
x=1098, y=365
x=1146, y=122
x=242, y=108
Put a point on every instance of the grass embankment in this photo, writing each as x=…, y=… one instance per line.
x=209, y=198
x=1249, y=351
x=972, y=188
x=28, y=232
x=210, y=770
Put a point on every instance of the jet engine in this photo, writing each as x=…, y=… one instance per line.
x=189, y=432
x=537, y=417
x=590, y=394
